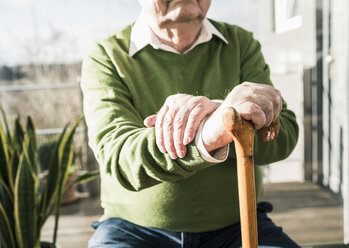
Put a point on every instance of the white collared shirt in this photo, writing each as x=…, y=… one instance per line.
x=142, y=35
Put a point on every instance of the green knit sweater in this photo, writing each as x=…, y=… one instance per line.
x=138, y=182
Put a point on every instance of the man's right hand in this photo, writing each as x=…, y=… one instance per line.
x=178, y=120
x=259, y=103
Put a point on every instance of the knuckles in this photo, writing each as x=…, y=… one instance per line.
x=269, y=107
x=255, y=109
x=180, y=115
x=185, y=100
x=168, y=122
x=253, y=92
x=178, y=122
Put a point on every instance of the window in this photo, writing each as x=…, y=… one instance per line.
x=286, y=15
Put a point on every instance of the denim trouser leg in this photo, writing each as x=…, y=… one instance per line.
x=119, y=233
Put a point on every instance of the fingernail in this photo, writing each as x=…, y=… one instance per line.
x=173, y=156
x=181, y=153
x=188, y=140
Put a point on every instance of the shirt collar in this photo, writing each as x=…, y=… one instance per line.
x=142, y=35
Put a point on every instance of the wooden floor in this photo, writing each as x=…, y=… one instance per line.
x=310, y=215
x=74, y=223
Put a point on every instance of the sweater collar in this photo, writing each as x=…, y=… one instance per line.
x=142, y=35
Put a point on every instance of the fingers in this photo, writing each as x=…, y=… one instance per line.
x=254, y=113
x=259, y=103
x=150, y=121
x=265, y=105
x=274, y=95
x=177, y=122
x=158, y=129
x=180, y=122
x=168, y=134
x=195, y=118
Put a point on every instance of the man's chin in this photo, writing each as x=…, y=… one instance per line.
x=184, y=15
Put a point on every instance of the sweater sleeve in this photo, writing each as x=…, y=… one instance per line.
x=254, y=69
x=123, y=147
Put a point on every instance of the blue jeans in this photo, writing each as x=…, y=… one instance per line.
x=119, y=233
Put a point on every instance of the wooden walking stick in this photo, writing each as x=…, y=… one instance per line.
x=242, y=132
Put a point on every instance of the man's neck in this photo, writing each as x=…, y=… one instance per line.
x=179, y=36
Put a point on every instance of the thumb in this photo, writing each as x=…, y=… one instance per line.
x=150, y=121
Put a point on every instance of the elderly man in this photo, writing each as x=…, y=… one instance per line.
x=168, y=167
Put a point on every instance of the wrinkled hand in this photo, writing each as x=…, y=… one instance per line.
x=259, y=103
x=178, y=120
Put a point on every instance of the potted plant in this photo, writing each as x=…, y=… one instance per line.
x=23, y=208
x=44, y=149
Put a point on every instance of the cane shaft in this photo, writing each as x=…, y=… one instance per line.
x=242, y=132
x=247, y=202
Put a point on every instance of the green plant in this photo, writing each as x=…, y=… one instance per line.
x=23, y=209
x=73, y=169
x=44, y=153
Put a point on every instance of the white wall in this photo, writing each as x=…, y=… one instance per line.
x=339, y=76
x=340, y=104
x=240, y=12
x=287, y=54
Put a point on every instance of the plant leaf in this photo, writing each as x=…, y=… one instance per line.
x=6, y=199
x=65, y=150
x=5, y=166
x=14, y=161
x=84, y=177
x=18, y=135
x=6, y=179
x=17, y=142
x=25, y=210
x=32, y=146
x=50, y=188
x=66, y=154
x=6, y=230
x=5, y=188
x=7, y=131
